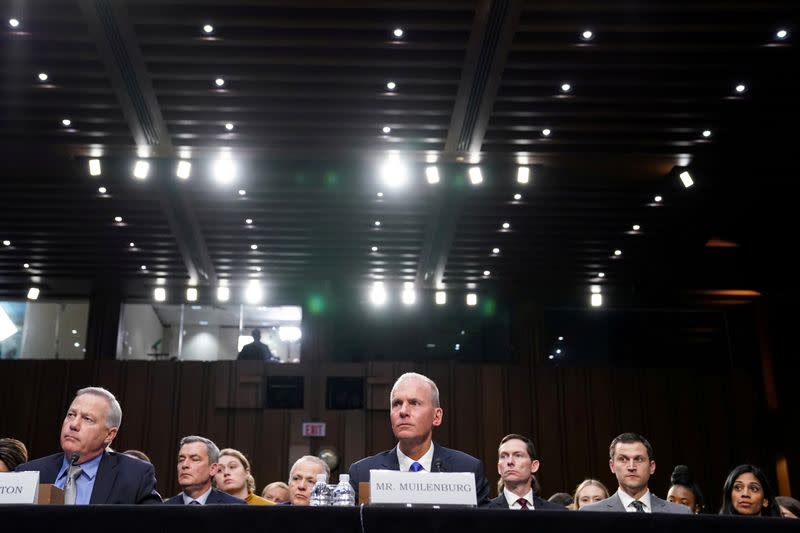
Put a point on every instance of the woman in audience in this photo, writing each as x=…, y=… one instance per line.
x=790, y=508
x=684, y=491
x=277, y=492
x=12, y=453
x=589, y=491
x=233, y=476
x=747, y=492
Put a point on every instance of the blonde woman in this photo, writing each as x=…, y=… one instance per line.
x=233, y=476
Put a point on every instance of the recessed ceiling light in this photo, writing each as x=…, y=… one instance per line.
x=486, y=273
x=143, y=267
x=741, y=88
x=601, y=274
x=254, y=247
x=248, y=221
x=780, y=34
x=6, y=243
x=495, y=251
x=224, y=170
x=636, y=227
x=66, y=122
x=379, y=194
x=223, y=294
x=391, y=85
x=386, y=129
x=472, y=299
x=686, y=179
x=432, y=175
x=160, y=294
x=184, y=170
x=219, y=82
x=117, y=219
x=377, y=223
x=657, y=199
x=398, y=32
x=102, y=190
x=229, y=126
x=546, y=132
x=587, y=35
x=506, y=225
x=475, y=176
x=258, y=269
x=618, y=252
x=43, y=76
x=706, y=133
x=377, y=294
x=440, y=297
x=242, y=192
x=566, y=87
x=518, y=196
x=14, y=23
x=131, y=244
x=94, y=167
x=596, y=300
x=141, y=169
x=33, y=293
x=26, y=265
x=191, y=294
x=523, y=175
x=374, y=248
x=208, y=28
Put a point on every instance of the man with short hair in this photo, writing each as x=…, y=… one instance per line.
x=85, y=469
x=517, y=463
x=414, y=412
x=632, y=461
x=256, y=350
x=197, y=464
x=303, y=477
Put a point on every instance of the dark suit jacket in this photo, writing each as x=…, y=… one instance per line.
x=120, y=479
x=449, y=461
x=538, y=504
x=614, y=505
x=216, y=497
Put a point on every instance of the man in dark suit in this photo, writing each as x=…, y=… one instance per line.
x=256, y=350
x=414, y=412
x=517, y=463
x=197, y=464
x=86, y=471
x=632, y=461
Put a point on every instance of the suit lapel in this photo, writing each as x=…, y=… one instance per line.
x=104, y=480
x=49, y=474
x=657, y=503
x=389, y=460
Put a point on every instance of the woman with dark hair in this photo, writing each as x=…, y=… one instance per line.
x=684, y=491
x=747, y=492
x=12, y=453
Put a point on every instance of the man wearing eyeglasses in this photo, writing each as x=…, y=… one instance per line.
x=632, y=461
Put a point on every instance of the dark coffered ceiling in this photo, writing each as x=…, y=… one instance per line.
x=313, y=122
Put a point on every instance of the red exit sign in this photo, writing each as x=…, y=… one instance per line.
x=313, y=429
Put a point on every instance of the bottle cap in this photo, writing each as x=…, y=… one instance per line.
x=344, y=478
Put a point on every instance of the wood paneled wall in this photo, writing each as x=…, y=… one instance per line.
x=709, y=422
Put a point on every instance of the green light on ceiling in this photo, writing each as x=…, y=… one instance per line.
x=316, y=304
x=489, y=307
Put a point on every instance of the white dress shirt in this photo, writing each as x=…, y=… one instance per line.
x=512, y=498
x=406, y=461
x=200, y=499
x=626, y=501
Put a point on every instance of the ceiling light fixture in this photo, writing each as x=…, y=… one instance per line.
x=379, y=194
x=219, y=82
x=686, y=179
x=596, y=300
x=394, y=172
x=242, y=192
x=6, y=243
x=472, y=299
x=191, y=294
x=208, y=28
x=377, y=223
x=780, y=34
x=658, y=199
x=377, y=295
x=518, y=197
x=43, y=76
x=102, y=190
x=398, y=32
x=475, y=176
x=587, y=35
x=506, y=225
x=546, y=132
x=408, y=296
x=224, y=170
x=374, y=248
x=523, y=175
x=131, y=244
x=248, y=221
x=184, y=170
x=160, y=294
x=601, y=274
x=66, y=122
x=141, y=169
x=33, y=293
x=386, y=129
x=432, y=175
x=741, y=88
x=94, y=167
x=118, y=219
x=636, y=227
x=617, y=253
x=486, y=273
x=223, y=294
x=253, y=293
x=14, y=23
x=495, y=251
x=566, y=87
x=229, y=126
x=391, y=85
x=440, y=297
x=706, y=133
x=143, y=267
x=26, y=265
x=254, y=247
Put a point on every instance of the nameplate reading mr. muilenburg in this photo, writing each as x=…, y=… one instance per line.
x=423, y=488
x=19, y=487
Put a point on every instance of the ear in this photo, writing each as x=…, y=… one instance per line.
x=611, y=465
x=438, y=414
x=110, y=436
x=765, y=503
x=652, y=467
x=213, y=469
x=534, y=467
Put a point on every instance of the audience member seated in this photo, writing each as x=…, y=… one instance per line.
x=747, y=492
x=277, y=492
x=197, y=464
x=563, y=499
x=414, y=411
x=517, y=463
x=588, y=491
x=303, y=477
x=790, y=508
x=138, y=455
x=85, y=468
x=632, y=461
x=684, y=491
x=233, y=476
x=12, y=454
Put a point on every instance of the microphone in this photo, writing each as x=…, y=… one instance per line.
x=437, y=466
x=73, y=458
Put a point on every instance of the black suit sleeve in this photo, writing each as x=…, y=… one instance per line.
x=481, y=486
x=147, y=493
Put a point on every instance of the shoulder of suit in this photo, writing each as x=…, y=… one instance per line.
x=377, y=457
x=37, y=464
x=602, y=504
x=454, y=454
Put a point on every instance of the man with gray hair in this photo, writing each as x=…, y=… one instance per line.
x=303, y=477
x=87, y=471
x=414, y=412
x=197, y=465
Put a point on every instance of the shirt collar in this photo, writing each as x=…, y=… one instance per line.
x=512, y=498
x=405, y=461
x=88, y=468
x=201, y=499
x=627, y=499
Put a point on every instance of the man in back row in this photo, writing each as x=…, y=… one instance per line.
x=414, y=412
x=85, y=469
x=632, y=461
x=198, y=460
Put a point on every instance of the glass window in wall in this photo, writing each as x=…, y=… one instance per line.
x=43, y=330
x=208, y=332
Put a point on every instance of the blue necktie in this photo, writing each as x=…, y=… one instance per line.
x=415, y=467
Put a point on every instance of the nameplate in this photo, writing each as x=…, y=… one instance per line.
x=19, y=487
x=422, y=488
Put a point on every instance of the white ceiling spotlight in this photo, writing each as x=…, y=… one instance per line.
x=66, y=122
x=487, y=273
x=223, y=294
x=495, y=251
x=546, y=132
x=394, y=172
x=398, y=33
x=208, y=29
x=141, y=169
x=14, y=23
x=43, y=76
x=408, y=296
x=229, y=126
x=191, y=294
x=566, y=87
x=219, y=82
x=6, y=243
x=475, y=176
x=432, y=175
x=160, y=294
x=601, y=275
x=224, y=169
x=686, y=179
x=377, y=223
x=391, y=85
x=102, y=190
x=377, y=295
x=374, y=248
x=740, y=88
x=440, y=297
x=706, y=133
x=118, y=220
x=242, y=192
x=94, y=167
x=386, y=129
x=636, y=227
x=184, y=170
x=33, y=293
x=253, y=293
x=658, y=199
x=472, y=299
x=506, y=225
x=523, y=175
x=587, y=35
x=780, y=34
x=518, y=197
x=617, y=252
x=596, y=300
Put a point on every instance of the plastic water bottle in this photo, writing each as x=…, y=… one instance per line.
x=321, y=493
x=343, y=494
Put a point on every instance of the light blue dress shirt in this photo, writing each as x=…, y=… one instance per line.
x=84, y=483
